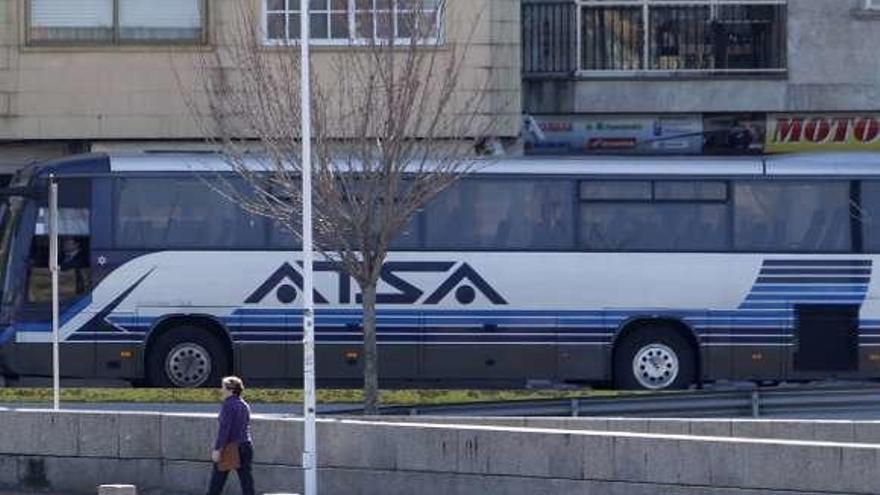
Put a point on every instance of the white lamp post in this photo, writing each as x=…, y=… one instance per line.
x=53, y=269
x=309, y=458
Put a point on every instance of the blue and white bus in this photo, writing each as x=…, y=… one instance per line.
x=646, y=272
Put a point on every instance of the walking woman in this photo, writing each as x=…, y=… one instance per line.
x=233, y=434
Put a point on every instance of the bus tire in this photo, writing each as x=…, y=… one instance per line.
x=654, y=357
x=186, y=357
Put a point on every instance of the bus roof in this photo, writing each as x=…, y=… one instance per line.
x=801, y=164
x=520, y=165
x=826, y=164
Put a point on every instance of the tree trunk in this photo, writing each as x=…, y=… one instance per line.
x=371, y=351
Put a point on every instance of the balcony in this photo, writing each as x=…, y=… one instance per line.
x=653, y=38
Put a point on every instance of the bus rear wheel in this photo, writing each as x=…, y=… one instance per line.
x=186, y=357
x=655, y=357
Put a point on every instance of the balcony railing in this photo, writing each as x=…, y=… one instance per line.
x=630, y=37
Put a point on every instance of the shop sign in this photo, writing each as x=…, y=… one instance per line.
x=789, y=132
x=578, y=134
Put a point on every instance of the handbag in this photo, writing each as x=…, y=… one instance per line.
x=229, y=457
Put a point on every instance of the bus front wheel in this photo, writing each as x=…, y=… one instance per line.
x=186, y=357
x=654, y=358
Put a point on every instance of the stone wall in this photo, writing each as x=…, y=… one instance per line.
x=73, y=452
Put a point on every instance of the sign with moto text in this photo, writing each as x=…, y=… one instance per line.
x=811, y=132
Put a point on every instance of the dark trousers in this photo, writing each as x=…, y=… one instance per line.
x=245, y=476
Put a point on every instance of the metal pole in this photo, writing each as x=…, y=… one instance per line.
x=309, y=457
x=646, y=37
x=53, y=269
x=579, y=37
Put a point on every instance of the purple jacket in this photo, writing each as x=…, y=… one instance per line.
x=235, y=422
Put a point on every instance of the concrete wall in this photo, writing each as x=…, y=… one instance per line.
x=832, y=66
x=867, y=432
x=72, y=452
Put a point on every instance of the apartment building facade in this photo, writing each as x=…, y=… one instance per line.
x=81, y=75
x=588, y=76
x=713, y=76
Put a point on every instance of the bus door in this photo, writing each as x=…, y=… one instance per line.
x=826, y=339
x=74, y=284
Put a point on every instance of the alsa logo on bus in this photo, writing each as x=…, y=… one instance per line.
x=827, y=129
x=464, y=282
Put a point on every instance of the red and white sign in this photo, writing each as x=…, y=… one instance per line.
x=791, y=132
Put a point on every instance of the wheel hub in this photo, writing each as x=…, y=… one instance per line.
x=655, y=366
x=188, y=365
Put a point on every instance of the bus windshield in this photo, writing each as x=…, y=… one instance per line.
x=10, y=208
x=9, y=211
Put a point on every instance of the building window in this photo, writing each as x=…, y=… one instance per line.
x=342, y=22
x=621, y=37
x=697, y=36
x=64, y=22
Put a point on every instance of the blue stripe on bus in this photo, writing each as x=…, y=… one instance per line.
x=68, y=314
x=731, y=317
x=769, y=305
x=739, y=323
x=816, y=262
x=748, y=343
x=816, y=271
x=427, y=339
x=116, y=337
x=426, y=312
x=751, y=339
x=457, y=313
x=417, y=321
x=806, y=297
x=132, y=321
x=437, y=330
x=489, y=339
x=507, y=331
x=811, y=280
x=7, y=334
x=330, y=314
x=783, y=312
x=735, y=320
x=854, y=288
x=749, y=330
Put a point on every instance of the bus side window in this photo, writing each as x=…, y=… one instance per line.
x=792, y=216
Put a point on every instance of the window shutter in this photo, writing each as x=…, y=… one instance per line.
x=67, y=14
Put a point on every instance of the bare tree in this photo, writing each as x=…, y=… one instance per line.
x=397, y=118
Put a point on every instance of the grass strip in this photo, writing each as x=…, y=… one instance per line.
x=268, y=395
